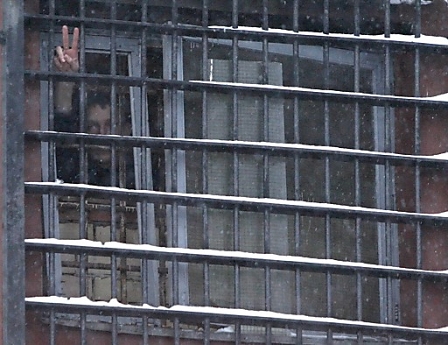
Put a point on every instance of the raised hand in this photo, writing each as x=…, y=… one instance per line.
x=66, y=59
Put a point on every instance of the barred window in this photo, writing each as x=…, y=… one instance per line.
x=239, y=171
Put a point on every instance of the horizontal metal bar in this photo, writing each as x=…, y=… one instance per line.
x=273, y=35
x=243, y=147
x=230, y=258
x=276, y=206
x=223, y=315
x=271, y=90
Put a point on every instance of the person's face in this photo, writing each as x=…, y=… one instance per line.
x=98, y=122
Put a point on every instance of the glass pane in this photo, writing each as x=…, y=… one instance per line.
x=258, y=118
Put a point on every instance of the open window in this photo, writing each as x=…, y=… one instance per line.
x=100, y=278
x=249, y=117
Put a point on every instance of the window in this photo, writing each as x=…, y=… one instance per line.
x=100, y=219
x=263, y=172
x=261, y=118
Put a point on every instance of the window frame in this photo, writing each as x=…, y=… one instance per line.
x=174, y=104
x=95, y=41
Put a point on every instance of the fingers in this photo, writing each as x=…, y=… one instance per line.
x=75, y=39
x=66, y=57
x=60, y=54
x=73, y=63
x=58, y=64
x=65, y=40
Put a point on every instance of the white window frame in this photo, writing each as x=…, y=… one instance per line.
x=98, y=43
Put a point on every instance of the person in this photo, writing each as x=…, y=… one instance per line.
x=98, y=121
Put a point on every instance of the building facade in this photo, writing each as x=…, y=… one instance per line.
x=217, y=172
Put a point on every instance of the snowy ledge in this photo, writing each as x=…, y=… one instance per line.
x=274, y=206
x=393, y=38
x=272, y=148
x=411, y=2
x=230, y=258
x=372, y=98
x=222, y=257
x=226, y=315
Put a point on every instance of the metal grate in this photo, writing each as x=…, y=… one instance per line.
x=250, y=172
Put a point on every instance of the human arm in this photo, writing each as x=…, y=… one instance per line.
x=66, y=60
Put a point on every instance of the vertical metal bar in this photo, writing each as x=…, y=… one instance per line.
x=13, y=251
x=417, y=151
x=176, y=331
x=266, y=177
x=207, y=331
x=326, y=61
x=297, y=184
x=265, y=23
x=358, y=249
x=175, y=262
x=386, y=4
x=238, y=337
x=326, y=17
x=295, y=16
x=145, y=228
x=113, y=95
x=268, y=334
x=52, y=199
x=83, y=176
x=357, y=17
x=418, y=18
x=235, y=132
x=52, y=327
x=234, y=14
x=51, y=177
x=205, y=158
x=174, y=12
x=174, y=161
x=82, y=264
x=113, y=176
x=237, y=285
x=51, y=167
x=267, y=249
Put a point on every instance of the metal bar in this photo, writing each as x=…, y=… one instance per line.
x=225, y=32
x=205, y=167
x=327, y=186
x=295, y=16
x=418, y=18
x=83, y=175
x=417, y=179
x=386, y=4
x=207, y=332
x=280, y=91
x=234, y=14
x=357, y=129
x=13, y=100
x=243, y=259
x=222, y=315
x=265, y=11
x=244, y=203
x=326, y=17
x=275, y=149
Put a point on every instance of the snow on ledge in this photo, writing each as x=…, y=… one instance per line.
x=411, y=2
x=231, y=256
x=399, y=38
x=202, y=312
